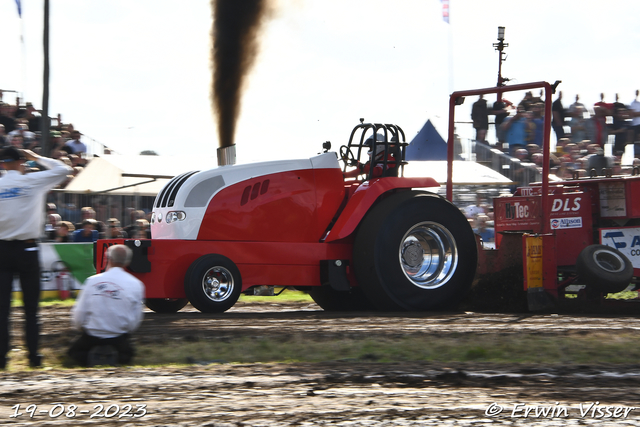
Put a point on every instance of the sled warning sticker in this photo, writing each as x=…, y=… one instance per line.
x=613, y=200
x=533, y=261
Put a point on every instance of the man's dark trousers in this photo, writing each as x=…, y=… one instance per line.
x=20, y=257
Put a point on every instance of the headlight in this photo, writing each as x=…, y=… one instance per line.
x=153, y=217
x=175, y=216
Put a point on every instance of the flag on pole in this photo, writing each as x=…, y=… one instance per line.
x=19, y=8
x=445, y=10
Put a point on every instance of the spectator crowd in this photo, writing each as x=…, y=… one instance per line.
x=90, y=230
x=581, y=133
x=20, y=127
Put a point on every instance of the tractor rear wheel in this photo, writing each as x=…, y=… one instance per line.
x=415, y=251
x=166, y=305
x=604, y=269
x=213, y=283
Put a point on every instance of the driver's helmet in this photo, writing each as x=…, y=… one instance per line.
x=380, y=146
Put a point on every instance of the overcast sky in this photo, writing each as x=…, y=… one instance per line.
x=135, y=75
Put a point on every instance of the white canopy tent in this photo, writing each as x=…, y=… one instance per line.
x=133, y=175
x=464, y=172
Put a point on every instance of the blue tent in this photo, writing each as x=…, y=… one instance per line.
x=427, y=145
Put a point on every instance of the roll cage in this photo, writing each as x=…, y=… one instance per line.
x=392, y=139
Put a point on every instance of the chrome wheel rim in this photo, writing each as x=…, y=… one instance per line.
x=217, y=284
x=428, y=255
x=608, y=261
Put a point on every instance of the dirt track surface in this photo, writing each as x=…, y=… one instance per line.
x=341, y=394
x=283, y=319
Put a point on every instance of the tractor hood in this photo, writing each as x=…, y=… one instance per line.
x=180, y=206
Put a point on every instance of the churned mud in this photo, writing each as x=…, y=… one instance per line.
x=341, y=393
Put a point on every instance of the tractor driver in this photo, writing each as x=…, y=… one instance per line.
x=379, y=166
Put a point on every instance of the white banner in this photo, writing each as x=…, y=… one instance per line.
x=63, y=266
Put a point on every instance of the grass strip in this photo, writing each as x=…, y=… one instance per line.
x=595, y=348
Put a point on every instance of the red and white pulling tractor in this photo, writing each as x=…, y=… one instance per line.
x=378, y=241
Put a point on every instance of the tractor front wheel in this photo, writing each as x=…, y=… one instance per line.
x=213, y=283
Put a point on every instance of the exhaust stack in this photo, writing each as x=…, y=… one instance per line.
x=227, y=155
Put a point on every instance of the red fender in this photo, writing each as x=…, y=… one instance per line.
x=365, y=196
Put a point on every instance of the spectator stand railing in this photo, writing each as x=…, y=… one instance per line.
x=520, y=173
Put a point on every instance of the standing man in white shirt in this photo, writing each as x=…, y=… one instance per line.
x=109, y=309
x=22, y=203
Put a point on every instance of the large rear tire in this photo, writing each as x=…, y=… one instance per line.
x=415, y=251
x=331, y=300
x=604, y=269
x=213, y=283
x=166, y=305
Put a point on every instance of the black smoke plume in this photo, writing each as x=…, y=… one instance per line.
x=236, y=27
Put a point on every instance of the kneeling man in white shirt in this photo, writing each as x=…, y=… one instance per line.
x=108, y=309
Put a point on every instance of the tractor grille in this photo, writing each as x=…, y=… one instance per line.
x=168, y=194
